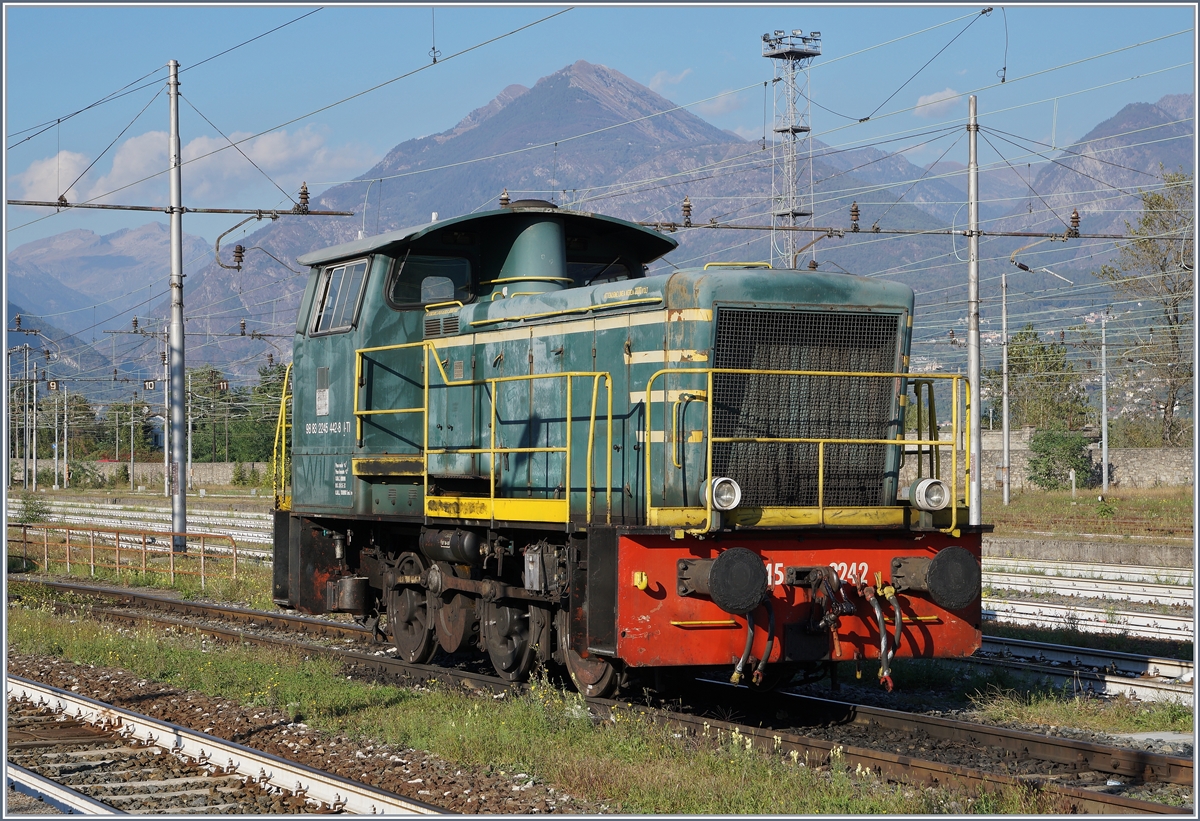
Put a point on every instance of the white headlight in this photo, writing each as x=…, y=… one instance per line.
x=929, y=494
x=726, y=493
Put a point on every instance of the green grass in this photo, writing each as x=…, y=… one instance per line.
x=1119, y=642
x=251, y=588
x=634, y=764
x=1150, y=512
x=1062, y=709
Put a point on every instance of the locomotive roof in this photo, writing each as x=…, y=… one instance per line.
x=647, y=244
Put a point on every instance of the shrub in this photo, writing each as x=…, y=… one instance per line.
x=1054, y=455
x=239, y=474
x=31, y=509
x=119, y=477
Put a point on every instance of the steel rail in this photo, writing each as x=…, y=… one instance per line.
x=1126, y=664
x=62, y=798
x=1104, y=759
x=1091, y=588
x=891, y=765
x=289, y=621
x=332, y=790
x=1183, y=576
x=1087, y=682
x=1090, y=619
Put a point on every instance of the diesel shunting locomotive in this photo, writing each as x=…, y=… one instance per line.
x=499, y=432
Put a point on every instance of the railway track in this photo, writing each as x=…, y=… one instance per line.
x=1181, y=576
x=1090, y=619
x=250, y=529
x=1097, y=672
x=91, y=757
x=878, y=740
x=1133, y=591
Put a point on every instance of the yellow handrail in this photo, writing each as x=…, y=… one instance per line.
x=820, y=442
x=492, y=450
x=279, y=460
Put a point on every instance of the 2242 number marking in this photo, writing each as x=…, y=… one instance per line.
x=851, y=572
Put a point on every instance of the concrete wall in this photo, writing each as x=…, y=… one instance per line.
x=1128, y=467
x=1126, y=551
x=150, y=474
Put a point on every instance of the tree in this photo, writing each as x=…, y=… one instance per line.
x=1054, y=455
x=1044, y=389
x=1157, y=266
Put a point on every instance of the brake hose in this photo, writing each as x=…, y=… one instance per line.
x=895, y=602
x=762, y=664
x=736, y=678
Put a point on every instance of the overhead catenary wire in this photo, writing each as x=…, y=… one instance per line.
x=239, y=149
x=63, y=191
x=313, y=113
x=121, y=92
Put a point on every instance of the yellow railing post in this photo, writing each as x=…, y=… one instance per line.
x=567, y=479
x=821, y=480
x=201, y=561
x=92, y=551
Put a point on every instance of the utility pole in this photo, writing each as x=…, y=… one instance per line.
x=1004, y=447
x=25, y=408
x=175, y=345
x=66, y=418
x=35, y=387
x=166, y=421
x=55, y=448
x=974, y=428
x=189, y=435
x=1104, y=401
x=131, y=448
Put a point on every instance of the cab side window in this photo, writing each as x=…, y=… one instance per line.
x=338, y=295
x=419, y=279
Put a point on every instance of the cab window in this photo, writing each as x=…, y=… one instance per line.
x=338, y=295
x=419, y=279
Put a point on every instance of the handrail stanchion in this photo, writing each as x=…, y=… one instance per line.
x=201, y=561
x=171, y=558
x=233, y=544
x=567, y=468
x=68, y=550
x=46, y=545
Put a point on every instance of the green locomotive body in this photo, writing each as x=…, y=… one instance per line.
x=503, y=432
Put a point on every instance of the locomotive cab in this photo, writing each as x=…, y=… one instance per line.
x=504, y=435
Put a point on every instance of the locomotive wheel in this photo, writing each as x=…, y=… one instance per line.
x=454, y=618
x=594, y=677
x=506, y=632
x=408, y=615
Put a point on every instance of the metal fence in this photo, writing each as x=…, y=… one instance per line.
x=124, y=551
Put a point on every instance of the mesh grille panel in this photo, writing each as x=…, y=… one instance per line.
x=780, y=474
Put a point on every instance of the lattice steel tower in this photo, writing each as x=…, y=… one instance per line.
x=793, y=54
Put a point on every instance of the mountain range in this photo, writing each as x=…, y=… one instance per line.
x=621, y=149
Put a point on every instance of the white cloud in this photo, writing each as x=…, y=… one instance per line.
x=43, y=178
x=721, y=105
x=664, y=78
x=937, y=103
x=217, y=175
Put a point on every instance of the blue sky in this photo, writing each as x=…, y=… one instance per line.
x=59, y=59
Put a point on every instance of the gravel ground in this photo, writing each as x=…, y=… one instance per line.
x=412, y=773
x=20, y=804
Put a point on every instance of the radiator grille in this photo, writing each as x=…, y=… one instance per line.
x=804, y=406
x=441, y=325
